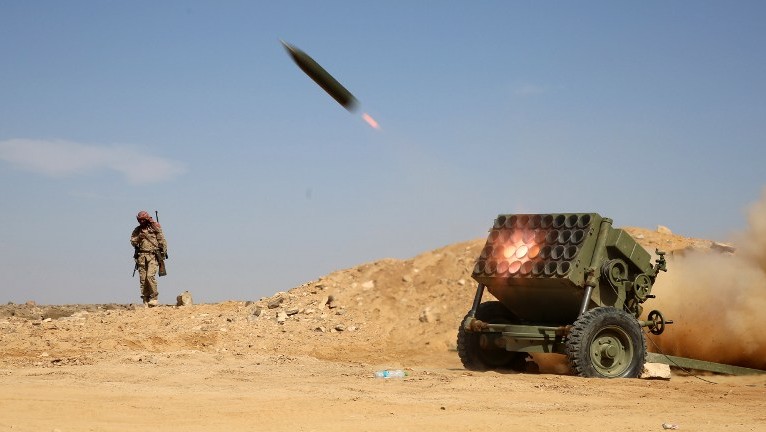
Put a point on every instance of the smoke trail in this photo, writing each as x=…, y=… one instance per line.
x=718, y=301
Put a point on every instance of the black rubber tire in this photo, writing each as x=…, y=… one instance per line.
x=474, y=357
x=606, y=342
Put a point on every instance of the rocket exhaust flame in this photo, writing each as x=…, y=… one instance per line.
x=370, y=121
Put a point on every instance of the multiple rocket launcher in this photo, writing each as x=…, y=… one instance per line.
x=536, y=265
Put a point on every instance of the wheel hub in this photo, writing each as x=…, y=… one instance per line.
x=609, y=350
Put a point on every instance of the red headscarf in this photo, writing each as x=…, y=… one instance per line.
x=143, y=215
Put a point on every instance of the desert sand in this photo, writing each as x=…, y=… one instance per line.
x=304, y=360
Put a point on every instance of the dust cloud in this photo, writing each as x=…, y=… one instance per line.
x=717, y=300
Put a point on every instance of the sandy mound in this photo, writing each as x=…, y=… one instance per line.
x=304, y=360
x=390, y=311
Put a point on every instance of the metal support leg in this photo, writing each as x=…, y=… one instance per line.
x=586, y=299
x=476, y=300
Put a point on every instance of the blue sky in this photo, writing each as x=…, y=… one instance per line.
x=647, y=112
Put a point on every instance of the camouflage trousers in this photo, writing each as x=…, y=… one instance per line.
x=147, y=270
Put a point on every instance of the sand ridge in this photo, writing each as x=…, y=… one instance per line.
x=307, y=363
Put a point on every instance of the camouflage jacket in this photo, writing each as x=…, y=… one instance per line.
x=148, y=238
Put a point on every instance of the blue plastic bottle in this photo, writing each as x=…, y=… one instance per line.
x=391, y=373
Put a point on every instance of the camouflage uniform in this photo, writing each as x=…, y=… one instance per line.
x=149, y=241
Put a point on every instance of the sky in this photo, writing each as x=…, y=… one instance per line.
x=650, y=113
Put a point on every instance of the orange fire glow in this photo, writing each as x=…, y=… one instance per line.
x=520, y=247
x=370, y=121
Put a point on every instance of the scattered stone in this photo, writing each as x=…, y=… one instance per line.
x=656, y=371
x=309, y=311
x=249, y=303
x=332, y=304
x=320, y=329
x=257, y=311
x=461, y=282
x=368, y=285
x=291, y=312
x=323, y=302
x=426, y=316
x=640, y=236
x=184, y=299
x=281, y=317
x=663, y=229
x=670, y=426
x=275, y=303
x=30, y=303
x=351, y=328
x=407, y=278
x=340, y=327
x=340, y=312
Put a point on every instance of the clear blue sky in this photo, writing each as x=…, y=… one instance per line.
x=647, y=112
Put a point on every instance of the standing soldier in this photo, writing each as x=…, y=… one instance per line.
x=150, y=249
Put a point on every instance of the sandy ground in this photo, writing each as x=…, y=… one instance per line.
x=304, y=360
x=198, y=392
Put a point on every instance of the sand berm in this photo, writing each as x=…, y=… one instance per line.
x=304, y=359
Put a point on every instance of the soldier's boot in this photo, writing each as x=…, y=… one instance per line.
x=153, y=303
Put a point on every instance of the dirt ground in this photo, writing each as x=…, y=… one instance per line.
x=304, y=360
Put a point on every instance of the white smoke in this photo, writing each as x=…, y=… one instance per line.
x=59, y=158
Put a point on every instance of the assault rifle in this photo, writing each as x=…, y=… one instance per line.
x=161, y=254
x=135, y=258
